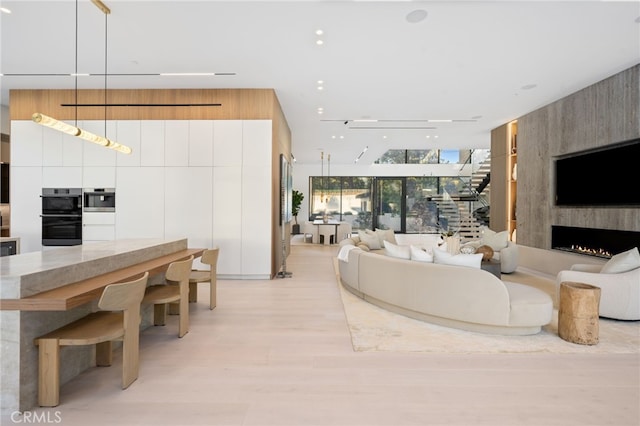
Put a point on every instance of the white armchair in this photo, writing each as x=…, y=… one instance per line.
x=619, y=292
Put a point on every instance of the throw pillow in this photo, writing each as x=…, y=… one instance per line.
x=496, y=240
x=469, y=260
x=420, y=255
x=467, y=249
x=386, y=235
x=363, y=247
x=370, y=239
x=394, y=250
x=622, y=262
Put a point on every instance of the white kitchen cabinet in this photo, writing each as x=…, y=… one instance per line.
x=256, y=221
x=152, y=143
x=93, y=233
x=128, y=133
x=256, y=143
x=188, y=204
x=62, y=177
x=227, y=143
x=176, y=143
x=140, y=203
x=52, y=147
x=72, y=150
x=227, y=219
x=200, y=143
x=98, y=226
x=26, y=144
x=99, y=177
x=94, y=154
x=26, y=207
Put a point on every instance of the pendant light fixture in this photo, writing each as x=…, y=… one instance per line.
x=75, y=130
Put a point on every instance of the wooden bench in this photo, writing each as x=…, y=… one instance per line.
x=72, y=295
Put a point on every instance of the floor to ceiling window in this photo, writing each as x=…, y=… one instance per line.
x=346, y=198
x=404, y=204
x=415, y=204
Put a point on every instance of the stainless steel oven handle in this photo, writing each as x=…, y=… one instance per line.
x=60, y=215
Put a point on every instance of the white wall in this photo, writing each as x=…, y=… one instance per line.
x=206, y=180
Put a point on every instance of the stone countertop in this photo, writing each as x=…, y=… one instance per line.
x=26, y=274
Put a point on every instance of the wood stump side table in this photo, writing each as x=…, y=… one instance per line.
x=578, y=313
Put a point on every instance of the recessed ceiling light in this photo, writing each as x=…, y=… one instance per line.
x=416, y=16
x=319, y=32
x=428, y=136
x=320, y=82
x=319, y=42
x=5, y=10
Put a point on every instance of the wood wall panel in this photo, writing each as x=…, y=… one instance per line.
x=247, y=104
x=499, y=179
x=599, y=115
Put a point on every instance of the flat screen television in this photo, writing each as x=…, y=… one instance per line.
x=606, y=177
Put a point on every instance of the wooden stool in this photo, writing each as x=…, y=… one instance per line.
x=209, y=257
x=100, y=329
x=176, y=290
x=578, y=313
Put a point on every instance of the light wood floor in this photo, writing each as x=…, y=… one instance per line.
x=279, y=353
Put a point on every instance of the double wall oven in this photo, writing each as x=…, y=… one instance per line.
x=61, y=216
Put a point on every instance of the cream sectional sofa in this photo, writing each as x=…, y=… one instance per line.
x=454, y=296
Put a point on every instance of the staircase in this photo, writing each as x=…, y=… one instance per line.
x=467, y=212
x=454, y=214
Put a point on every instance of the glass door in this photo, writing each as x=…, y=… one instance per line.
x=389, y=204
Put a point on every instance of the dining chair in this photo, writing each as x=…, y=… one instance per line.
x=209, y=257
x=118, y=319
x=176, y=289
x=328, y=234
x=310, y=230
x=344, y=231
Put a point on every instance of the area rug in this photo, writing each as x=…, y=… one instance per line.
x=376, y=329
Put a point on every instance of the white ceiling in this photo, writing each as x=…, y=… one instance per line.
x=482, y=62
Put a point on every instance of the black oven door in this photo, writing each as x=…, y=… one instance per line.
x=61, y=230
x=61, y=205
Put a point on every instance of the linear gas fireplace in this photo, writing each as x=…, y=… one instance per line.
x=592, y=241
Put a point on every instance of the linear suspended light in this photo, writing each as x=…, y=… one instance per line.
x=51, y=122
x=103, y=7
x=141, y=105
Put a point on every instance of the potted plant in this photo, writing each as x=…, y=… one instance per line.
x=296, y=202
